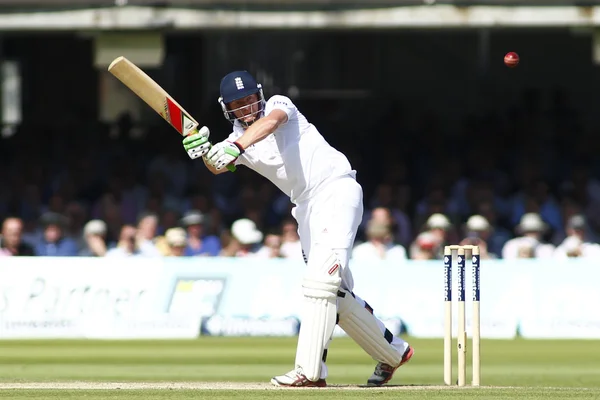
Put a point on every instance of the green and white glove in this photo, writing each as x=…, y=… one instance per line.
x=224, y=154
x=197, y=145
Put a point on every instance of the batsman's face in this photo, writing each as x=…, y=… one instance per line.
x=246, y=109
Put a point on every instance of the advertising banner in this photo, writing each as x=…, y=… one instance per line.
x=187, y=297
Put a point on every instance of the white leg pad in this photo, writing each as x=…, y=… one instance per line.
x=364, y=328
x=319, y=311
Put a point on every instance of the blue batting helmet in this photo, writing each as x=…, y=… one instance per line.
x=237, y=85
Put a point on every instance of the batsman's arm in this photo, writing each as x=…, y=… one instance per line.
x=262, y=128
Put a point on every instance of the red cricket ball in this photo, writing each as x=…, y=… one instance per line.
x=511, y=59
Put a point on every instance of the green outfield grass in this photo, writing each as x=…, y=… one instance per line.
x=514, y=368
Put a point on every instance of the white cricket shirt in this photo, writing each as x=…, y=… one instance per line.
x=296, y=157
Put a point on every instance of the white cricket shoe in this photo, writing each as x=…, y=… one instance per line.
x=295, y=378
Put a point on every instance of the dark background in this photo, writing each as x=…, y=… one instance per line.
x=418, y=110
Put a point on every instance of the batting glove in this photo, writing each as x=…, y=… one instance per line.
x=223, y=154
x=197, y=145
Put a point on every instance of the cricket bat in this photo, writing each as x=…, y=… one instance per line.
x=155, y=96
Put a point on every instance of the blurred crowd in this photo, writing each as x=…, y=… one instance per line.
x=524, y=183
x=189, y=237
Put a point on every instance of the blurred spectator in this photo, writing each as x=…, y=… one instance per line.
x=109, y=212
x=435, y=203
x=146, y=233
x=438, y=225
x=403, y=233
x=576, y=243
x=32, y=232
x=127, y=244
x=271, y=247
x=133, y=192
x=573, y=246
x=478, y=230
x=382, y=215
x=76, y=218
x=56, y=205
x=176, y=241
x=245, y=239
x=200, y=201
x=498, y=235
x=94, y=233
x=457, y=183
x=290, y=241
x=198, y=242
x=483, y=250
x=53, y=242
x=529, y=245
x=158, y=197
x=392, y=206
x=30, y=209
x=170, y=163
x=168, y=219
x=11, y=243
x=379, y=245
x=250, y=205
x=537, y=198
x=585, y=190
x=229, y=245
x=477, y=226
x=425, y=247
x=397, y=220
x=569, y=208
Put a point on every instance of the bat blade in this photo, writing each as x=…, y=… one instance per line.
x=155, y=96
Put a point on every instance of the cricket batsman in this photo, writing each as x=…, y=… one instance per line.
x=274, y=139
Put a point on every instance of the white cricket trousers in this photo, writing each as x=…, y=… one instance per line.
x=331, y=218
